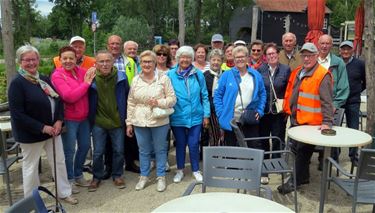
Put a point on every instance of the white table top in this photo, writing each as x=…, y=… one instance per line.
x=345, y=137
x=5, y=123
x=221, y=202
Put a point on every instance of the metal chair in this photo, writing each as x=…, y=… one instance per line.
x=231, y=167
x=25, y=205
x=362, y=187
x=6, y=162
x=282, y=165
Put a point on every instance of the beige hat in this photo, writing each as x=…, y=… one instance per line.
x=77, y=38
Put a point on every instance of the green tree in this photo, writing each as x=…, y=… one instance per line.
x=342, y=11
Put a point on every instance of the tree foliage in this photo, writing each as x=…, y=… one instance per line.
x=342, y=11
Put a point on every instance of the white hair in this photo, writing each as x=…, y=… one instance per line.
x=130, y=42
x=25, y=49
x=186, y=51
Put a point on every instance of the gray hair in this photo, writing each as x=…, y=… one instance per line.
x=186, y=51
x=106, y=52
x=148, y=53
x=216, y=52
x=130, y=42
x=289, y=34
x=240, y=49
x=26, y=49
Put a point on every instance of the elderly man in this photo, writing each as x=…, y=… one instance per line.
x=305, y=83
x=79, y=44
x=340, y=80
x=130, y=51
x=124, y=64
x=108, y=100
x=357, y=83
x=289, y=55
x=217, y=42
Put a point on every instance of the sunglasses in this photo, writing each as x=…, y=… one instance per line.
x=162, y=54
x=255, y=50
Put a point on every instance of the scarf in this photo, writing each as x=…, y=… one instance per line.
x=36, y=80
x=216, y=79
x=230, y=63
x=185, y=73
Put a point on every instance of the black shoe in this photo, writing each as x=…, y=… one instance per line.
x=132, y=168
x=87, y=168
x=320, y=166
x=289, y=186
x=107, y=174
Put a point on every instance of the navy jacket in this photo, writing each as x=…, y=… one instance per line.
x=357, y=80
x=30, y=110
x=121, y=90
x=280, y=81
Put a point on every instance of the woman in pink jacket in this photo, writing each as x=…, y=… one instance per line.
x=72, y=83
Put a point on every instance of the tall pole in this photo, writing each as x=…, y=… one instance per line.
x=181, y=22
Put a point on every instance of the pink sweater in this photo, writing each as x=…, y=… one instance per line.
x=73, y=91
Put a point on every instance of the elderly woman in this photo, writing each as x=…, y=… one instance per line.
x=150, y=103
x=212, y=76
x=200, y=60
x=256, y=55
x=72, y=84
x=37, y=115
x=239, y=88
x=275, y=77
x=191, y=110
x=163, y=58
x=229, y=60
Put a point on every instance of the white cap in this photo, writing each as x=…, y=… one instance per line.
x=239, y=42
x=77, y=38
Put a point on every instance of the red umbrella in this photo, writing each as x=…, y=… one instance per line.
x=315, y=19
x=358, y=28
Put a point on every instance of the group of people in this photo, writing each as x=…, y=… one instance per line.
x=129, y=104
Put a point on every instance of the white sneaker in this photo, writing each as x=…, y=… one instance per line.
x=167, y=167
x=75, y=189
x=179, y=175
x=161, y=184
x=152, y=165
x=141, y=183
x=198, y=176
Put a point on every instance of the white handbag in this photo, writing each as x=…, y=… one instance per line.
x=278, y=101
x=158, y=112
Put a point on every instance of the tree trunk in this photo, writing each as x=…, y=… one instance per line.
x=181, y=22
x=6, y=17
x=370, y=64
x=197, y=21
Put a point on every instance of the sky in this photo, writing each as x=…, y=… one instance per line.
x=44, y=6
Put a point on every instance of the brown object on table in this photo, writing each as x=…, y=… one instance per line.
x=328, y=132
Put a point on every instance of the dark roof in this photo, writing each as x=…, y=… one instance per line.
x=297, y=6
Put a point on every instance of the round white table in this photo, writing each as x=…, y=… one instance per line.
x=345, y=137
x=221, y=202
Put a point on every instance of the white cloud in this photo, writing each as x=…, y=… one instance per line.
x=44, y=6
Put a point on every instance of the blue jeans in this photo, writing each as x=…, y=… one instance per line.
x=152, y=140
x=352, y=121
x=187, y=136
x=76, y=131
x=100, y=139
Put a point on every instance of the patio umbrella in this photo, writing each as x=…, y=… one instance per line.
x=315, y=20
x=358, y=28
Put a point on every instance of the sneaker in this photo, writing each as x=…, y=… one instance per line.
x=179, y=175
x=141, y=183
x=119, y=183
x=198, y=176
x=264, y=180
x=82, y=182
x=167, y=167
x=94, y=185
x=70, y=199
x=152, y=165
x=75, y=190
x=161, y=184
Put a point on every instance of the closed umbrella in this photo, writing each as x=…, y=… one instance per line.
x=358, y=28
x=315, y=20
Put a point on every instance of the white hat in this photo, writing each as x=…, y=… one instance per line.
x=239, y=42
x=77, y=38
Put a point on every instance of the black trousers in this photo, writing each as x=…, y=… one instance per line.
x=303, y=154
x=249, y=131
x=275, y=125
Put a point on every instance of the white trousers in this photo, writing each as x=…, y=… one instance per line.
x=31, y=153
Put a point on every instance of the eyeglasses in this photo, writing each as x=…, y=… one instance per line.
x=240, y=57
x=29, y=60
x=147, y=62
x=271, y=54
x=162, y=54
x=307, y=55
x=256, y=50
x=104, y=62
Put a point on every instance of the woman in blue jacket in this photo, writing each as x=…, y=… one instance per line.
x=191, y=110
x=230, y=102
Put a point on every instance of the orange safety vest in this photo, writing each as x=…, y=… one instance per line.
x=87, y=63
x=308, y=109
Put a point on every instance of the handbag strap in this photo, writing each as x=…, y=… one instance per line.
x=239, y=89
x=271, y=82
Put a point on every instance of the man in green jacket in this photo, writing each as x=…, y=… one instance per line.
x=340, y=81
